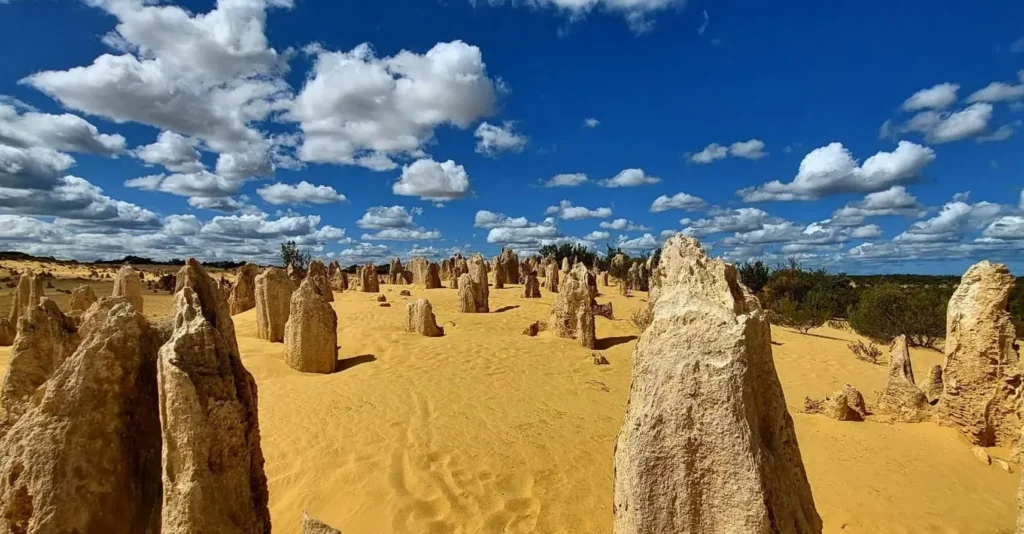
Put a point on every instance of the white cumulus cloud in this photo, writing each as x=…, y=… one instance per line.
x=629, y=178
x=565, y=210
x=300, y=193
x=491, y=139
x=431, y=180
x=832, y=169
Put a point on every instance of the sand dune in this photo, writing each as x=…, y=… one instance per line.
x=488, y=430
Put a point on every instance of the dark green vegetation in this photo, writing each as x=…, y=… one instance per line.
x=293, y=256
x=879, y=307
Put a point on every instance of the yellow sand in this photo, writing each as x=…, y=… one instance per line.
x=488, y=430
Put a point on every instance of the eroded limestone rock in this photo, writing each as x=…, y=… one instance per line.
x=707, y=443
x=45, y=339
x=466, y=302
x=432, y=278
x=82, y=298
x=901, y=398
x=419, y=319
x=311, y=334
x=368, y=282
x=311, y=525
x=510, y=264
x=321, y=283
x=551, y=278
x=28, y=293
x=243, y=294
x=273, y=301
x=499, y=274
x=981, y=375
x=932, y=386
x=84, y=456
x=572, y=314
x=128, y=284
x=531, y=287
x=213, y=478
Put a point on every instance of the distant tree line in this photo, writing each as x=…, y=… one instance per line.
x=879, y=307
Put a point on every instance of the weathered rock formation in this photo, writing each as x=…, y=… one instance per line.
x=419, y=319
x=901, y=398
x=7, y=333
x=459, y=267
x=311, y=334
x=45, y=338
x=551, y=278
x=466, y=302
x=499, y=275
x=932, y=386
x=213, y=478
x=418, y=269
x=273, y=301
x=534, y=328
x=565, y=265
x=604, y=278
x=982, y=372
x=84, y=454
x=28, y=293
x=707, y=444
x=398, y=274
x=481, y=291
x=315, y=526
x=845, y=404
x=510, y=263
x=531, y=287
x=633, y=277
x=166, y=282
x=321, y=283
x=333, y=268
x=604, y=310
x=128, y=285
x=446, y=269
x=223, y=288
x=618, y=265
x=368, y=282
x=339, y=281
x=432, y=278
x=243, y=294
x=82, y=298
x=572, y=314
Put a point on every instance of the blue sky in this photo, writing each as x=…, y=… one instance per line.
x=868, y=137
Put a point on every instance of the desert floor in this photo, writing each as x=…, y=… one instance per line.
x=488, y=430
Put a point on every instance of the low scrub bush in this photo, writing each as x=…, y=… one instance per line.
x=641, y=319
x=887, y=311
x=866, y=352
x=802, y=316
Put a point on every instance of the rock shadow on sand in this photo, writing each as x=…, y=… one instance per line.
x=609, y=342
x=348, y=363
x=506, y=308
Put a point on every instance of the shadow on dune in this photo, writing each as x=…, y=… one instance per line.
x=609, y=342
x=505, y=308
x=824, y=337
x=349, y=363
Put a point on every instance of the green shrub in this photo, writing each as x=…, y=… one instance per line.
x=867, y=352
x=887, y=311
x=292, y=255
x=802, y=316
x=754, y=275
x=641, y=319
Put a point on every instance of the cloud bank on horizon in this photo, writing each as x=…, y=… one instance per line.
x=221, y=134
